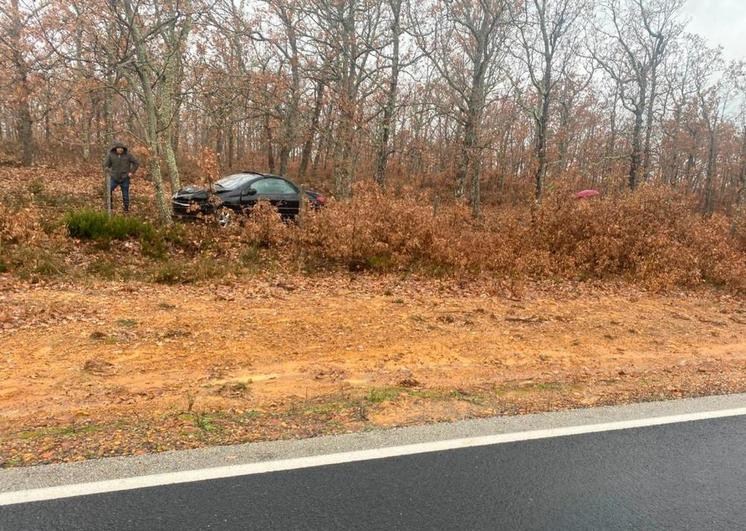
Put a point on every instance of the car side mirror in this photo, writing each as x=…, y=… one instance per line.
x=250, y=191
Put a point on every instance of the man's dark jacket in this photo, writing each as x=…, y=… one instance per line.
x=122, y=165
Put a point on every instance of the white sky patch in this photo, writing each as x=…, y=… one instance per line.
x=721, y=22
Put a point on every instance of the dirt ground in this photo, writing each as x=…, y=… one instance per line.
x=95, y=369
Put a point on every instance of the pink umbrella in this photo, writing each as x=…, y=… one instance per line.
x=585, y=194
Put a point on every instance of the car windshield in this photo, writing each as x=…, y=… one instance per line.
x=234, y=181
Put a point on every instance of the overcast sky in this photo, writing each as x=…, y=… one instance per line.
x=720, y=22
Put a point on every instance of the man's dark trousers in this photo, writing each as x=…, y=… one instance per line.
x=125, y=186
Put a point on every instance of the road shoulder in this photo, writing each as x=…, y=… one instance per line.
x=278, y=455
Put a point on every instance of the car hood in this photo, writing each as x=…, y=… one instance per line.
x=196, y=193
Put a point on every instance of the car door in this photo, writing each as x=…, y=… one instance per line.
x=248, y=197
x=282, y=194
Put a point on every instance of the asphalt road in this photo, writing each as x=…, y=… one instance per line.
x=678, y=476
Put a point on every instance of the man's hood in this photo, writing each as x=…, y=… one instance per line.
x=118, y=144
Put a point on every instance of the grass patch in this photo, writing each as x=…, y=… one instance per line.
x=252, y=415
x=172, y=272
x=251, y=258
x=205, y=422
x=326, y=409
x=58, y=431
x=430, y=394
x=12, y=462
x=32, y=262
x=383, y=394
x=104, y=268
x=177, y=272
x=529, y=387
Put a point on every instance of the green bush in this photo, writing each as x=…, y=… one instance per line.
x=86, y=224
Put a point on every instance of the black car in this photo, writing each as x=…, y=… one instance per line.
x=238, y=193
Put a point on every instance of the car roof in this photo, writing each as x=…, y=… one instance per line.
x=272, y=175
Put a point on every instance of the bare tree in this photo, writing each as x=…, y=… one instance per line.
x=465, y=43
x=285, y=41
x=318, y=101
x=141, y=25
x=548, y=50
x=174, y=34
x=739, y=76
x=391, y=91
x=347, y=36
x=712, y=90
x=14, y=46
x=679, y=91
x=639, y=33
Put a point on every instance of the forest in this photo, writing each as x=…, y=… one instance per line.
x=486, y=101
x=533, y=205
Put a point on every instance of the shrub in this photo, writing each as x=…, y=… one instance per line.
x=265, y=227
x=88, y=224
x=653, y=236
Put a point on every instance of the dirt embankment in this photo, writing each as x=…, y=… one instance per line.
x=106, y=369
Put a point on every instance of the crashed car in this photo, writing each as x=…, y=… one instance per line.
x=238, y=193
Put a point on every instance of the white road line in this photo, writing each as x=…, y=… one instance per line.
x=188, y=476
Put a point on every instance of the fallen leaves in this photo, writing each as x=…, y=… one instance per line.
x=85, y=363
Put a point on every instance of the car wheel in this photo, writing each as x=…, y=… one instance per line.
x=224, y=216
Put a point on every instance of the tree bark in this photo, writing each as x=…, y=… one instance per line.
x=308, y=144
x=268, y=144
x=741, y=195
x=152, y=136
x=647, y=152
x=636, y=154
x=290, y=118
x=709, y=200
x=391, y=95
x=23, y=89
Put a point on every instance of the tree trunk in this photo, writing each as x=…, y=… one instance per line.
x=709, y=201
x=108, y=118
x=290, y=118
x=563, y=142
x=173, y=168
x=647, y=153
x=741, y=195
x=86, y=136
x=25, y=131
x=152, y=136
x=342, y=152
x=168, y=109
x=390, y=106
x=268, y=142
x=462, y=170
x=611, y=146
x=471, y=166
x=231, y=145
x=540, y=147
x=636, y=155
x=219, y=142
x=308, y=144
x=22, y=88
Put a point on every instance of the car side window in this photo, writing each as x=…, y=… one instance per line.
x=272, y=186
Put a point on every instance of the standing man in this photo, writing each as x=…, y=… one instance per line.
x=121, y=166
